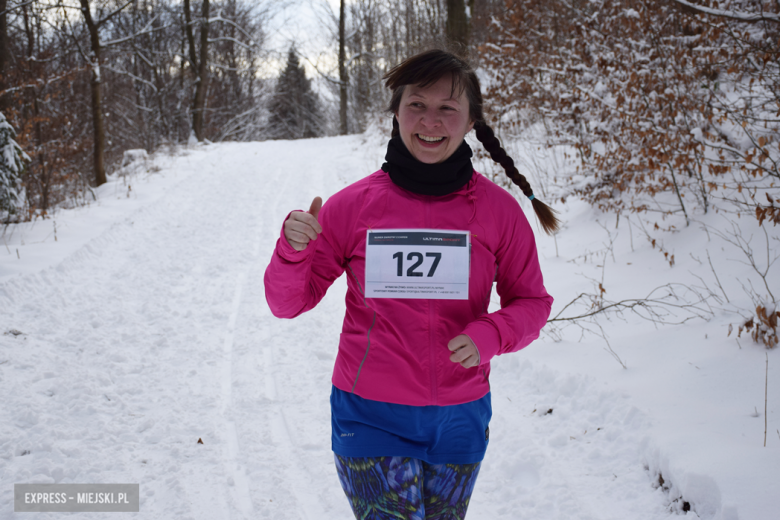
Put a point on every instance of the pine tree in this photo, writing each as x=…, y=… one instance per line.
x=13, y=163
x=295, y=108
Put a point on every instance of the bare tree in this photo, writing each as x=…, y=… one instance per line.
x=457, y=24
x=82, y=89
x=43, y=99
x=343, y=77
x=199, y=62
x=3, y=47
x=372, y=36
x=236, y=97
x=94, y=58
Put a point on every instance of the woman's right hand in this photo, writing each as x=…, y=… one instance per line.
x=302, y=227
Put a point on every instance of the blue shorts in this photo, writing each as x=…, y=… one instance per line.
x=455, y=434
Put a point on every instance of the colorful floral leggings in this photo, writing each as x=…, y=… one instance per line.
x=402, y=488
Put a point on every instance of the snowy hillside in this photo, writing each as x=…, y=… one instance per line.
x=138, y=325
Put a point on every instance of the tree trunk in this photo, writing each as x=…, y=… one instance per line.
x=342, y=72
x=45, y=176
x=200, y=66
x=97, y=110
x=457, y=24
x=3, y=52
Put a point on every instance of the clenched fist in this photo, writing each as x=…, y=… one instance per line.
x=463, y=351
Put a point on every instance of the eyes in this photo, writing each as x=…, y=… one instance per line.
x=421, y=106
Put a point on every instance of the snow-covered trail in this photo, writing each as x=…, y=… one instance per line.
x=156, y=334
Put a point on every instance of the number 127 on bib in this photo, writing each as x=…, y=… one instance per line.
x=417, y=263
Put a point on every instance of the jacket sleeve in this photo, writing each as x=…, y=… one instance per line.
x=525, y=303
x=296, y=281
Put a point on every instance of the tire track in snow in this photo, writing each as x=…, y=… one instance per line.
x=297, y=360
x=238, y=488
x=309, y=508
x=237, y=480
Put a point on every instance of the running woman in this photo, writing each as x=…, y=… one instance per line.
x=422, y=241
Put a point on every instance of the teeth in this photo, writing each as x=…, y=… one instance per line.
x=430, y=139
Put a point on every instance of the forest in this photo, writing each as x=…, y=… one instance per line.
x=666, y=106
x=152, y=150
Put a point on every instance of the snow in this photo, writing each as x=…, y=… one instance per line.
x=131, y=156
x=145, y=328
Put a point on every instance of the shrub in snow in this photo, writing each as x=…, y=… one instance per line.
x=671, y=110
x=131, y=156
x=763, y=326
x=13, y=162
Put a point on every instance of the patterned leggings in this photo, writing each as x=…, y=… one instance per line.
x=402, y=488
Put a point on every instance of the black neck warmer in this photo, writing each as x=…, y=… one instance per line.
x=428, y=179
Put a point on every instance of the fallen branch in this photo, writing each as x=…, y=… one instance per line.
x=656, y=308
x=649, y=308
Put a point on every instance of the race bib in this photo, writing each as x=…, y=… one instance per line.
x=417, y=263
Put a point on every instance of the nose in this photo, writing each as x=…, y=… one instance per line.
x=430, y=118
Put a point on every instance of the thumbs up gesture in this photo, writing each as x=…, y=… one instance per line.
x=301, y=227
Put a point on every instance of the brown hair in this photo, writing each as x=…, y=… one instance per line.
x=427, y=68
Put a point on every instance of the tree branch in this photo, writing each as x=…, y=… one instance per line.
x=732, y=15
x=145, y=30
x=229, y=39
x=114, y=13
x=190, y=38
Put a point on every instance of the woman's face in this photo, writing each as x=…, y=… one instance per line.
x=432, y=122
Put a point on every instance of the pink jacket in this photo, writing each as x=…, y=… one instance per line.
x=395, y=350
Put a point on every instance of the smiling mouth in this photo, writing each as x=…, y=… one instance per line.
x=429, y=138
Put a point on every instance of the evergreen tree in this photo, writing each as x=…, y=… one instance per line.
x=295, y=108
x=13, y=162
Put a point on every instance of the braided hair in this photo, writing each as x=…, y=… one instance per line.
x=427, y=68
